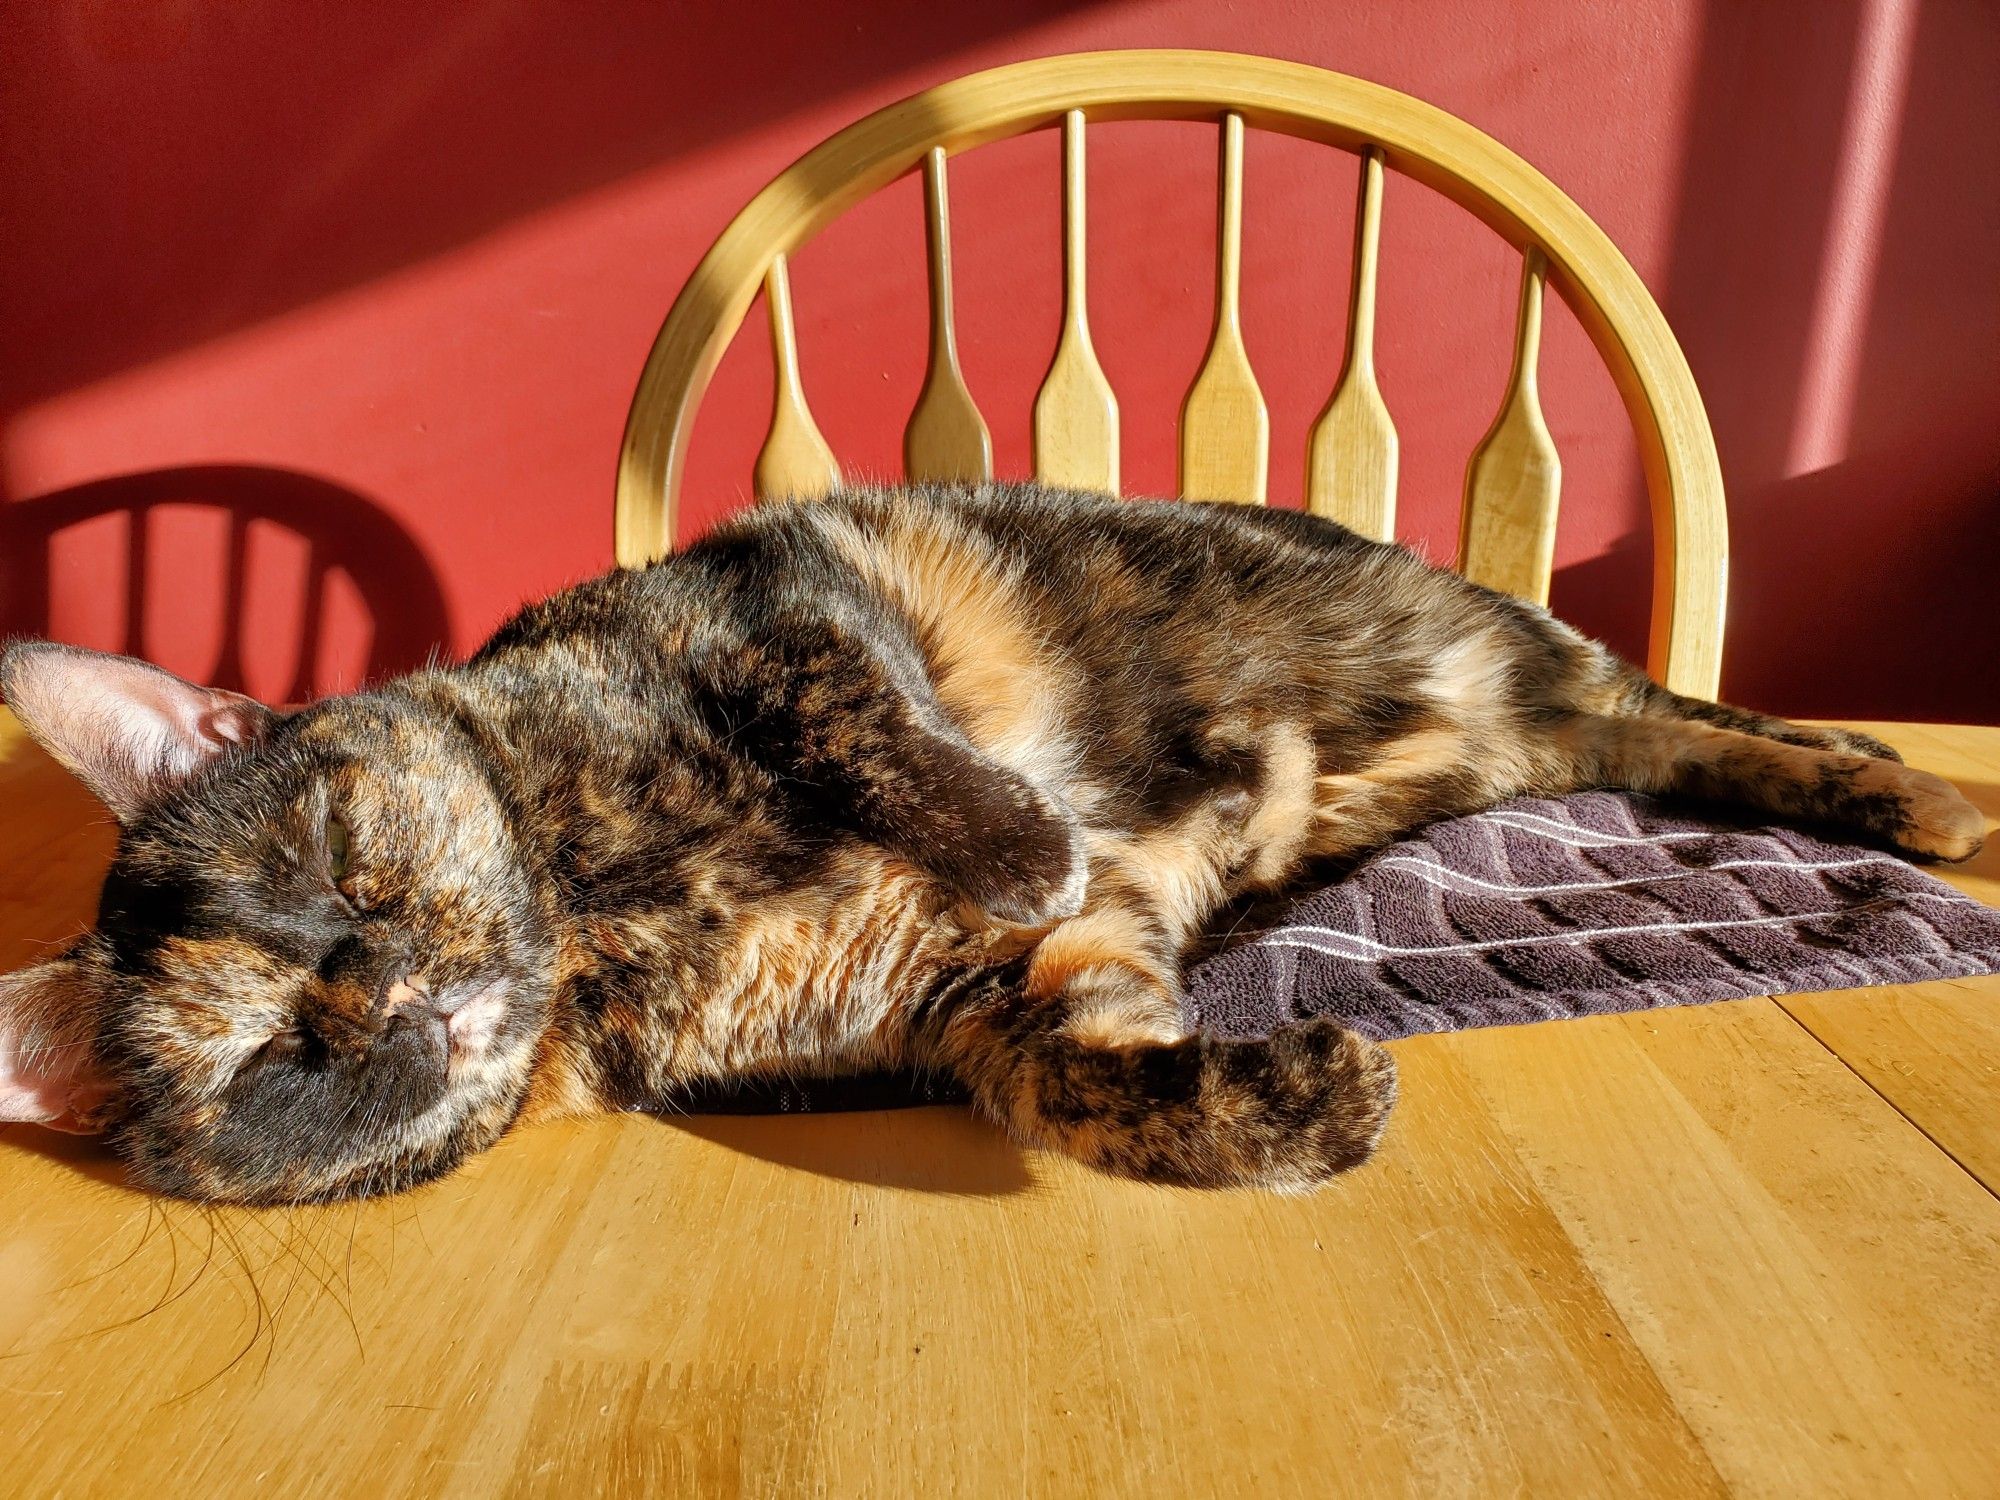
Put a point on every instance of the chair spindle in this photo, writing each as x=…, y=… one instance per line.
x=1225, y=428
x=1352, y=450
x=946, y=437
x=1076, y=414
x=795, y=461
x=1507, y=526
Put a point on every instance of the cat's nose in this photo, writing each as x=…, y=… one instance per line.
x=407, y=994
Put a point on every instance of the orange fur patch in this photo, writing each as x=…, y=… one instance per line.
x=1277, y=830
x=1469, y=673
x=1126, y=1021
x=989, y=669
x=1110, y=937
x=1347, y=796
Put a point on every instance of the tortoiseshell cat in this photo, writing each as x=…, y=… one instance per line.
x=941, y=779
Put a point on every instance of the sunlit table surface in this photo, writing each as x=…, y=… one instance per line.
x=1746, y=1248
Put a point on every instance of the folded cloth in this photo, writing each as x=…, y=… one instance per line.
x=1593, y=903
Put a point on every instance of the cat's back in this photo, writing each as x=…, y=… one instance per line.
x=961, y=547
x=1123, y=587
x=1078, y=640
x=1074, y=532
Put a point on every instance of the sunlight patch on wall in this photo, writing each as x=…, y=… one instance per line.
x=1856, y=226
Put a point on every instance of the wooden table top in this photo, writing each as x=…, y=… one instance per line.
x=1741, y=1248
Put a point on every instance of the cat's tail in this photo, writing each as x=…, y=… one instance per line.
x=1284, y=1113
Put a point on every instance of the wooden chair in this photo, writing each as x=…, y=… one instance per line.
x=1507, y=528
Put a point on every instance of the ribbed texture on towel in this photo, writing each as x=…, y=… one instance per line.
x=1594, y=903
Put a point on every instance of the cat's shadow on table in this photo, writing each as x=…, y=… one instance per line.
x=86, y=1155
x=940, y=1148
x=933, y=1149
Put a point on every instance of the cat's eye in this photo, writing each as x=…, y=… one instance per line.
x=284, y=1046
x=340, y=858
x=296, y=1046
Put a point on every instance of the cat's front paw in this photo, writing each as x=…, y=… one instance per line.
x=1036, y=867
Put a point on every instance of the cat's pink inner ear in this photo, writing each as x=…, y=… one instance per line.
x=48, y=1077
x=128, y=729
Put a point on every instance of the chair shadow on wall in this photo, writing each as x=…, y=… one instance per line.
x=342, y=530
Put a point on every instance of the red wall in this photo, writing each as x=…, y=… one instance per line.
x=320, y=321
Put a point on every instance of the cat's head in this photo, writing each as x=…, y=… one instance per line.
x=320, y=966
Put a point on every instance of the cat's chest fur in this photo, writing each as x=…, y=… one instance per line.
x=711, y=921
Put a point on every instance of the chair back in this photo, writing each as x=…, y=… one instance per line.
x=1513, y=476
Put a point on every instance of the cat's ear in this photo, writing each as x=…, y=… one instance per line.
x=48, y=1076
x=128, y=729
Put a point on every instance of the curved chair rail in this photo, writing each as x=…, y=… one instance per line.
x=1508, y=523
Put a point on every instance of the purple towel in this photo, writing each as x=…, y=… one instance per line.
x=1594, y=903
x=1533, y=910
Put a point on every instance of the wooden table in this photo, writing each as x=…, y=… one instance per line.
x=1749, y=1248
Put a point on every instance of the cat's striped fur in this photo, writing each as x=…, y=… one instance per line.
x=938, y=779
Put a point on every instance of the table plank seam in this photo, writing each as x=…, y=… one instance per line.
x=1916, y=1124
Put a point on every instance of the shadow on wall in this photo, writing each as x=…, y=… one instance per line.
x=194, y=173
x=1864, y=605
x=139, y=534
x=268, y=156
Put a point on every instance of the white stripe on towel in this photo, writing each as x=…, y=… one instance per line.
x=1374, y=952
x=1553, y=828
x=1428, y=868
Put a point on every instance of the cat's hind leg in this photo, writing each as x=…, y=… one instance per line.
x=1912, y=810
x=1648, y=699
x=1079, y=1048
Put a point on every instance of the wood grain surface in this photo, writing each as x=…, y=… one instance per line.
x=1746, y=1248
